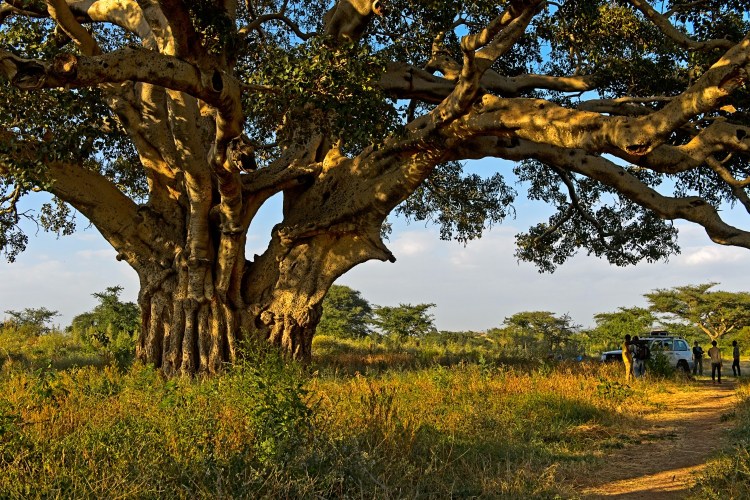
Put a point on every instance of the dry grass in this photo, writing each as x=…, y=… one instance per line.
x=369, y=422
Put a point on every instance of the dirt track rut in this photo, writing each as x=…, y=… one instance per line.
x=675, y=441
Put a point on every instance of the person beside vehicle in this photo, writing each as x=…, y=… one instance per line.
x=735, y=359
x=627, y=358
x=697, y=359
x=641, y=356
x=715, y=354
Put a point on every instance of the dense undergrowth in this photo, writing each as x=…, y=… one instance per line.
x=365, y=420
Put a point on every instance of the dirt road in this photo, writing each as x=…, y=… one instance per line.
x=676, y=439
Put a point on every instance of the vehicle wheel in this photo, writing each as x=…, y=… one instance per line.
x=683, y=365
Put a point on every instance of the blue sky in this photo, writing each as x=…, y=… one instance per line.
x=474, y=287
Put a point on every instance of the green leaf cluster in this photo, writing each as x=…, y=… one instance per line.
x=345, y=313
x=463, y=206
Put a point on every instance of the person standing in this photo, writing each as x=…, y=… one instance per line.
x=627, y=358
x=735, y=359
x=715, y=354
x=639, y=357
x=697, y=359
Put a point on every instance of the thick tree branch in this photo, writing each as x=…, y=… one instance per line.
x=158, y=23
x=497, y=38
x=623, y=106
x=666, y=27
x=724, y=77
x=717, y=137
x=133, y=236
x=61, y=13
x=405, y=81
x=693, y=209
x=216, y=88
x=185, y=38
x=126, y=14
x=506, y=86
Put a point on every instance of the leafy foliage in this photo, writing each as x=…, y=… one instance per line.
x=716, y=313
x=341, y=82
x=294, y=70
x=37, y=319
x=111, y=327
x=462, y=205
x=539, y=333
x=591, y=216
x=404, y=320
x=345, y=313
x=611, y=327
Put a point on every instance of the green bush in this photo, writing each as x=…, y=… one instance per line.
x=659, y=365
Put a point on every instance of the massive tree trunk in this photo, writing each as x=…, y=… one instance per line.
x=198, y=312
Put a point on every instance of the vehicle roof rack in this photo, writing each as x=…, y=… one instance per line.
x=659, y=333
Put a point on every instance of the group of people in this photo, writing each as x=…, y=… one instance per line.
x=716, y=362
x=635, y=353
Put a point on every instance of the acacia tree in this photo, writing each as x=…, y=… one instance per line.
x=715, y=313
x=167, y=124
x=541, y=331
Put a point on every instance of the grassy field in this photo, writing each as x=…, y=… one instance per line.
x=365, y=420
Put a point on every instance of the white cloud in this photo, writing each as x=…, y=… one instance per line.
x=711, y=255
x=412, y=243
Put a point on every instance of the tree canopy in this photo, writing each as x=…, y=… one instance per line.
x=109, y=317
x=345, y=313
x=38, y=319
x=539, y=332
x=611, y=327
x=715, y=313
x=168, y=124
x=405, y=320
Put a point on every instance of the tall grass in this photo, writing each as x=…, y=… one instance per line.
x=423, y=425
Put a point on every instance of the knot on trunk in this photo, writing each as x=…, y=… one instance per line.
x=267, y=318
x=65, y=65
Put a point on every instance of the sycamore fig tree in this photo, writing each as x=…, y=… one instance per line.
x=168, y=123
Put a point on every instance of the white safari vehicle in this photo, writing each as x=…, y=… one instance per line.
x=676, y=349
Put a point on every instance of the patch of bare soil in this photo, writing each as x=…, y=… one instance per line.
x=674, y=442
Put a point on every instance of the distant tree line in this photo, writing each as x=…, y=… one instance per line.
x=696, y=312
x=349, y=315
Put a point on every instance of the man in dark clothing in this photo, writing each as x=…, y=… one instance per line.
x=735, y=359
x=697, y=359
x=715, y=354
x=642, y=354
